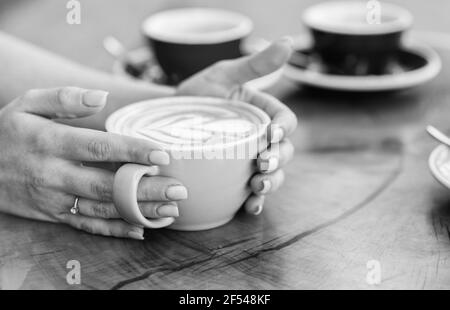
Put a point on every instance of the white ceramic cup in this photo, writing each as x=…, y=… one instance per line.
x=217, y=187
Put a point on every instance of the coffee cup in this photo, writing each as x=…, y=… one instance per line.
x=213, y=144
x=185, y=41
x=359, y=37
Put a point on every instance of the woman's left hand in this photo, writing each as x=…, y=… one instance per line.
x=225, y=79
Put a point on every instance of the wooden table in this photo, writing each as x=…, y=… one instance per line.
x=358, y=189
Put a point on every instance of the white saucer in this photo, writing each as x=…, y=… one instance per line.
x=142, y=55
x=439, y=163
x=369, y=83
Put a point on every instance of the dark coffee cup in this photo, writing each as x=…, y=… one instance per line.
x=185, y=41
x=357, y=38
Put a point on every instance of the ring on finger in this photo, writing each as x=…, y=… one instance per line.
x=75, y=209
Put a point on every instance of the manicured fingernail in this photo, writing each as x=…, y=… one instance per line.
x=168, y=210
x=277, y=135
x=95, y=98
x=289, y=40
x=266, y=186
x=268, y=165
x=135, y=235
x=257, y=210
x=159, y=158
x=176, y=192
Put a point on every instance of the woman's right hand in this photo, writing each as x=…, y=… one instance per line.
x=41, y=170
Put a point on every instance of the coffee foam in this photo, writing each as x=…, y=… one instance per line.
x=350, y=17
x=197, y=26
x=189, y=121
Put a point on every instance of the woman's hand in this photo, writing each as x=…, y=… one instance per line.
x=225, y=80
x=41, y=172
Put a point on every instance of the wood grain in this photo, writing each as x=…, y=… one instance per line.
x=358, y=189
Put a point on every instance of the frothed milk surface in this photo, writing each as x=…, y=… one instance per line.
x=194, y=122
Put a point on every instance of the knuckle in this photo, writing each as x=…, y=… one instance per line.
x=100, y=151
x=151, y=210
x=149, y=193
x=88, y=228
x=29, y=95
x=147, y=210
x=11, y=122
x=101, y=210
x=265, y=155
x=101, y=191
x=281, y=176
x=135, y=154
x=276, y=60
x=95, y=227
x=256, y=180
x=219, y=67
x=35, y=179
x=293, y=119
x=64, y=95
x=42, y=140
x=221, y=64
x=159, y=193
x=289, y=148
x=257, y=70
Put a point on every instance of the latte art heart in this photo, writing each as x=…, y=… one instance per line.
x=192, y=123
x=200, y=126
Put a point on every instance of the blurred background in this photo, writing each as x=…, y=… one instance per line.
x=43, y=22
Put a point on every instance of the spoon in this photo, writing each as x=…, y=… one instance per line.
x=438, y=135
x=115, y=48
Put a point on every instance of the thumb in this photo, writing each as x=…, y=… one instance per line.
x=66, y=102
x=251, y=67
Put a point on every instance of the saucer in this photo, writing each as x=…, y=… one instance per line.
x=414, y=64
x=150, y=71
x=439, y=163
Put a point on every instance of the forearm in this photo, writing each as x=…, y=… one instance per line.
x=25, y=66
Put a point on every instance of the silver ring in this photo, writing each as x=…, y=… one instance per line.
x=75, y=209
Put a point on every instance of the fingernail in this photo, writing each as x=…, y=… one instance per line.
x=268, y=165
x=176, y=192
x=266, y=186
x=159, y=158
x=168, y=210
x=257, y=210
x=95, y=98
x=277, y=135
x=136, y=235
x=288, y=40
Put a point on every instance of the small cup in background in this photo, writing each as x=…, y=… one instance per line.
x=185, y=41
x=344, y=37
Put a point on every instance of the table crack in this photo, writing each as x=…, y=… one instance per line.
x=382, y=188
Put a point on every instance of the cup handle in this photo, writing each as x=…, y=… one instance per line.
x=125, y=187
